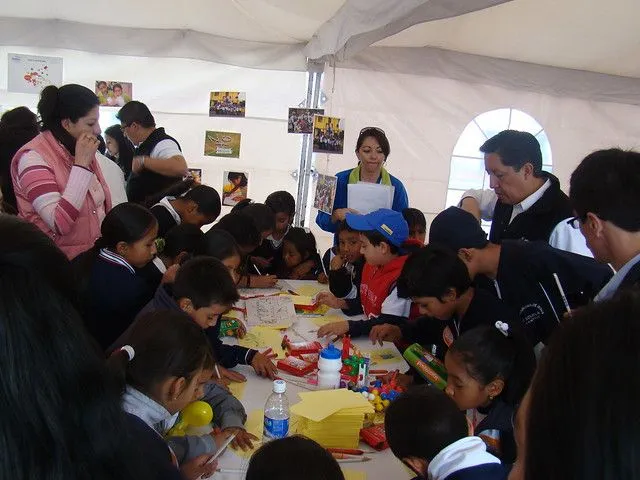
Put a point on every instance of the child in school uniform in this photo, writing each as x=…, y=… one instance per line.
x=197, y=206
x=427, y=432
x=489, y=370
x=182, y=242
x=344, y=263
x=300, y=256
x=166, y=365
x=283, y=205
x=383, y=234
x=112, y=292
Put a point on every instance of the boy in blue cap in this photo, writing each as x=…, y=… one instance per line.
x=383, y=234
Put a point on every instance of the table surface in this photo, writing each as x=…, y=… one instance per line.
x=382, y=465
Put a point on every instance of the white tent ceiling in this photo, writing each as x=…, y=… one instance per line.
x=588, y=35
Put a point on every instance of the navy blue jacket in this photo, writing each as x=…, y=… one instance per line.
x=341, y=282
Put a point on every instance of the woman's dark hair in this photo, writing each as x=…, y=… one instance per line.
x=303, y=240
x=380, y=137
x=207, y=199
x=221, y=244
x=205, y=281
x=167, y=344
x=579, y=423
x=281, y=202
x=17, y=127
x=422, y=422
x=293, y=458
x=184, y=238
x=235, y=175
x=241, y=228
x=67, y=102
x=489, y=354
x=62, y=415
x=125, y=149
x=433, y=271
x=263, y=217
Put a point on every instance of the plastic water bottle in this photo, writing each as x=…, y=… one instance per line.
x=329, y=366
x=276, y=413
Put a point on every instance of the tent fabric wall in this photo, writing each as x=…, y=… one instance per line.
x=423, y=117
x=177, y=92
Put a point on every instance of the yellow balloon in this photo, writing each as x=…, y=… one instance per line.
x=197, y=414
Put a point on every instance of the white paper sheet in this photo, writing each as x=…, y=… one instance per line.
x=368, y=197
x=275, y=312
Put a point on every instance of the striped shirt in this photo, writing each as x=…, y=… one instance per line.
x=59, y=210
x=111, y=257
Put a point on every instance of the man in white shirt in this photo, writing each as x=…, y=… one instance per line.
x=158, y=162
x=525, y=202
x=605, y=194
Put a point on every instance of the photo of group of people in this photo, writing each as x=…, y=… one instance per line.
x=301, y=119
x=328, y=134
x=235, y=187
x=113, y=94
x=325, y=193
x=227, y=104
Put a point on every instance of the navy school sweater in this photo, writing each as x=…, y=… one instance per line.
x=344, y=281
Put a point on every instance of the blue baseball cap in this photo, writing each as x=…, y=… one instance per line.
x=389, y=223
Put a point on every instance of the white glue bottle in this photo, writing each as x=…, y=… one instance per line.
x=276, y=413
x=329, y=366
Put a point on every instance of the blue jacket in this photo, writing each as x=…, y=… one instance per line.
x=400, y=200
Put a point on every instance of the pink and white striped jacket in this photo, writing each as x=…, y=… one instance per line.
x=65, y=201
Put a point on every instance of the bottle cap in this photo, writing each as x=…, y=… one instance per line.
x=279, y=386
x=331, y=353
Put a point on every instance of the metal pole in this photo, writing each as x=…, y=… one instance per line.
x=300, y=210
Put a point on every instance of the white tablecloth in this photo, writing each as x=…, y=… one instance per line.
x=383, y=464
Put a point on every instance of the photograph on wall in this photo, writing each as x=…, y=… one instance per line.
x=325, y=193
x=301, y=119
x=235, y=186
x=113, y=94
x=328, y=134
x=222, y=144
x=196, y=173
x=227, y=104
x=31, y=73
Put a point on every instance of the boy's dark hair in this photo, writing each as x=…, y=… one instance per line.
x=293, y=458
x=607, y=183
x=281, y=202
x=207, y=199
x=343, y=226
x=167, y=344
x=136, y=112
x=241, y=228
x=488, y=354
x=380, y=137
x=415, y=219
x=303, y=240
x=376, y=238
x=422, y=422
x=263, y=217
x=184, y=238
x=221, y=245
x=583, y=391
x=515, y=149
x=431, y=272
x=205, y=281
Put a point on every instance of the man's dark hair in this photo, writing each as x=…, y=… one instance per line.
x=515, y=149
x=136, y=112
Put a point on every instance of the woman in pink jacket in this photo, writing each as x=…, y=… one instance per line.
x=57, y=180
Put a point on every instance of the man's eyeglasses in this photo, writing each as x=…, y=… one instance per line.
x=368, y=129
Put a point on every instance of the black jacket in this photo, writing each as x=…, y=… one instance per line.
x=537, y=222
x=146, y=183
x=631, y=279
x=165, y=220
x=500, y=417
x=343, y=280
x=526, y=282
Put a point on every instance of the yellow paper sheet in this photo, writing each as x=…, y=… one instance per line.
x=254, y=425
x=319, y=405
x=354, y=475
x=320, y=321
x=311, y=289
x=384, y=355
x=261, y=338
x=235, y=314
x=237, y=389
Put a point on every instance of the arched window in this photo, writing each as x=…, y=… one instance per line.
x=467, y=162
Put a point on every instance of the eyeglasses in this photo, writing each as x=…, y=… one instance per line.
x=575, y=222
x=368, y=129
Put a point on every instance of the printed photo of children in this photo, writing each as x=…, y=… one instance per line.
x=235, y=187
x=113, y=94
x=301, y=119
x=325, y=193
x=227, y=104
x=328, y=134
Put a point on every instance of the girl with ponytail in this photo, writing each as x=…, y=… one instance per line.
x=489, y=370
x=112, y=290
x=58, y=182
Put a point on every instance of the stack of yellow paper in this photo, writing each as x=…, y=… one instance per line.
x=333, y=418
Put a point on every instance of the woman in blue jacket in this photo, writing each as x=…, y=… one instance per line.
x=372, y=150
